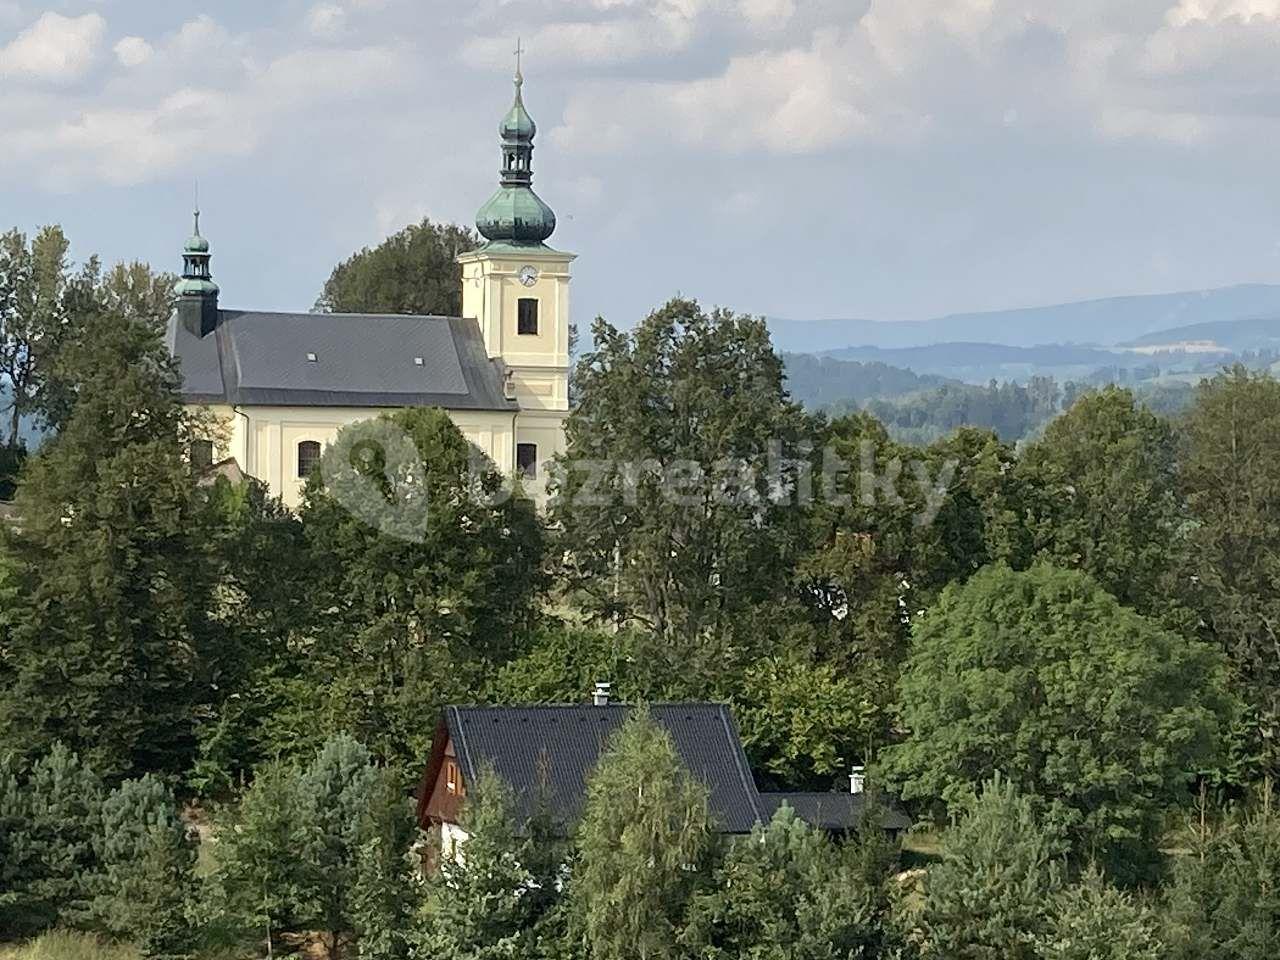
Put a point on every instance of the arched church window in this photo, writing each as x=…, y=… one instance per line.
x=308, y=458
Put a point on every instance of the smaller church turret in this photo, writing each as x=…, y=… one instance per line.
x=515, y=215
x=197, y=293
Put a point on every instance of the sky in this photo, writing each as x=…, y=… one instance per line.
x=885, y=159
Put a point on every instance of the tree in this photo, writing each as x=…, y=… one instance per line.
x=33, y=282
x=386, y=894
x=338, y=791
x=413, y=271
x=264, y=883
x=424, y=575
x=145, y=884
x=263, y=571
x=1230, y=474
x=1224, y=903
x=672, y=514
x=990, y=897
x=49, y=819
x=643, y=846
x=110, y=644
x=787, y=891
x=495, y=898
x=1043, y=676
x=1092, y=920
x=1102, y=488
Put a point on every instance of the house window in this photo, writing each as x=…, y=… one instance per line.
x=201, y=455
x=308, y=458
x=452, y=778
x=527, y=317
x=527, y=460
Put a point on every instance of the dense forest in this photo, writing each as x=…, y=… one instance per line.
x=1060, y=659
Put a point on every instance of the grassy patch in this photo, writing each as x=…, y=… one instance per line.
x=68, y=945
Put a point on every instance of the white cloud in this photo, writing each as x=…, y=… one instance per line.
x=326, y=19
x=133, y=51
x=768, y=14
x=1219, y=11
x=55, y=48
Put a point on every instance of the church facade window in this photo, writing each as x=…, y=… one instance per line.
x=527, y=317
x=527, y=460
x=308, y=458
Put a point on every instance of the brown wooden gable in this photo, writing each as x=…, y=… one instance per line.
x=443, y=785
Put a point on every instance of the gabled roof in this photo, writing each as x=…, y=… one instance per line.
x=264, y=359
x=566, y=742
x=835, y=812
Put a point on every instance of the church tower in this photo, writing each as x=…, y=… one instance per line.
x=197, y=293
x=517, y=289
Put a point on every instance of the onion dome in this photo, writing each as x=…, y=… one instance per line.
x=515, y=214
x=197, y=280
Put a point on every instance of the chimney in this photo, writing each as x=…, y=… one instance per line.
x=857, y=779
x=600, y=696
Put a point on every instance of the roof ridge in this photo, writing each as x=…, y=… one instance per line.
x=344, y=316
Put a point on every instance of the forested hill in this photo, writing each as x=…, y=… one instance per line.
x=822, y=381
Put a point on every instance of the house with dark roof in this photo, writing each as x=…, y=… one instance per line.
x=282, y=385
x=547, y=753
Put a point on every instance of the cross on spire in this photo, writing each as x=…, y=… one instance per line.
x=519, y=50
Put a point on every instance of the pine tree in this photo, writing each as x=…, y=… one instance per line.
x=1092, y=920
x=146, y=862
x=990, y=897
x=487, y=901
x=643, y=846
x=264, y=882
x=49, y=820
x=386, y=893
x=1224, y=902
x=337, y=793
x=788, y=888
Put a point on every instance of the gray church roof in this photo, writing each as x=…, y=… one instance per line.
x=338, y=360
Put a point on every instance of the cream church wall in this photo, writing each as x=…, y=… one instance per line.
x=264, y=440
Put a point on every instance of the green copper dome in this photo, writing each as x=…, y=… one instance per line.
x=515, y=214
x=197, y=280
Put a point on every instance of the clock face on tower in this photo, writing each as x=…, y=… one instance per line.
x=528, y=275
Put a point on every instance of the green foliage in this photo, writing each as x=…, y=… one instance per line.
x=405, y=618
x=1224, y=903
x=337, y=794
x=804, y=722
x=1041, y=675
x=318, y=849
x=1009, y=409
x=684, y=391
x=1092, y=920
x=494, y=899
x=50, y=817
x=788, y=892
x=145, y=885
x=643, y=845
x=33, y=316
x=1103, y=495
x=264, y=884
x=413, y=271
x=263, y=573
x=385, y=892
x=991, y=896
x=109, y=645
x=1230, y=471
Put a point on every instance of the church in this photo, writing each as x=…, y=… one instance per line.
x=283, y=384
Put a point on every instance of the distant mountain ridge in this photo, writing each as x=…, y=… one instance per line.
x=1105, y=322
x=1255, y=333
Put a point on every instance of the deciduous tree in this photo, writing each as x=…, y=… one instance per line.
x=1043, y=676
